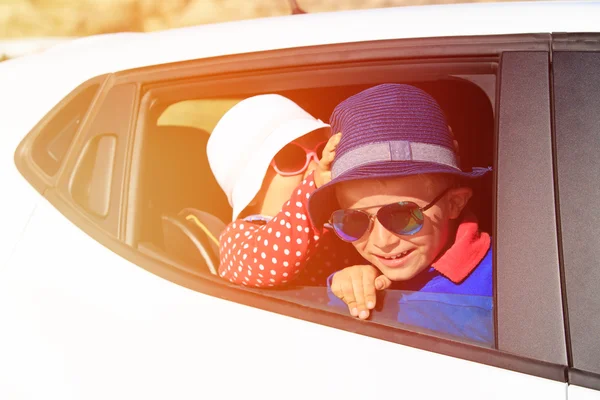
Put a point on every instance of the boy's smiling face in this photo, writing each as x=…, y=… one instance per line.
x=402, y=257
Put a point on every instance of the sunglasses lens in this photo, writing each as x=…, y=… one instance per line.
x=350, y=225
x=291, y=159
x=404, y=218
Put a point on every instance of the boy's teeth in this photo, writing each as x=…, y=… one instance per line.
x=397, y=256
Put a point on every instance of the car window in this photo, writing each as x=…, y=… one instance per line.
x=183, y=128
x=576, y=106
x=54, y=140
x=96, y=170
x=200, y=113
x=92, y=181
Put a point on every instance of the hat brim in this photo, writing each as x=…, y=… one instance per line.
x=250, y=182
x=323, y=201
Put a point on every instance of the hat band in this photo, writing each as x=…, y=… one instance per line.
x=395, y=150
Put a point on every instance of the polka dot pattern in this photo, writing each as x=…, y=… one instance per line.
x=286, y=248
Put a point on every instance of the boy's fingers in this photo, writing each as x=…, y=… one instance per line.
x=337, y=290
x=382, y=282
x=357, y=286
x=349, y=299
x=370, y=295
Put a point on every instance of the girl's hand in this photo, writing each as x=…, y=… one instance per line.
x=323, y=170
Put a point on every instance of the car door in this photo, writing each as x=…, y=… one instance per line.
x=90, y=316
x=576, y=95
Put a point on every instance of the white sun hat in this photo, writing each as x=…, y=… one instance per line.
x=246, y=139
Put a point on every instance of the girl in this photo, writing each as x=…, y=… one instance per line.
x=268, y=156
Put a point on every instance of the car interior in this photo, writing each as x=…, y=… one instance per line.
x=183, y=210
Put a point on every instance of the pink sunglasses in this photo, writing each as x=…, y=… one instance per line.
x=294, y=158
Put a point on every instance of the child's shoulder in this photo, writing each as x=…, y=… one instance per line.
x=477, y=283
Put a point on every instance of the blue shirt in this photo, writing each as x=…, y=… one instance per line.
x=434, y=302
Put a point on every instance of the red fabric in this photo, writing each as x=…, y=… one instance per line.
x=468, y=249
x=283, y=249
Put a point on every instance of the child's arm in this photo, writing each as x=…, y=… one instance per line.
x=356, y=286
x=274, y=253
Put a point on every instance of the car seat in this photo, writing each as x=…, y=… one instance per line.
x=178, y=176
x=192, y=237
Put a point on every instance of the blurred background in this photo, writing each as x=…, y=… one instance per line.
x=32, y=25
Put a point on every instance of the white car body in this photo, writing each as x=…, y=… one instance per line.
x=71, y=327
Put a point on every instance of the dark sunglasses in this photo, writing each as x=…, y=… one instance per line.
x=294, y=158
x=402, y=218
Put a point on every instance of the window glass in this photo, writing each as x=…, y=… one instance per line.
x=202, y=114
x=93, y=175
x=465, y=317
x=55, y=139
x=97, y=179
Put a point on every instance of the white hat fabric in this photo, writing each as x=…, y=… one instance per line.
x=246, y=139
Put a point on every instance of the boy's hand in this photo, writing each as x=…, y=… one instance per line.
x=356, y=286
x=323, y=170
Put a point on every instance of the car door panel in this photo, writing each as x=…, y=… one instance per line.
x=99, y=326
x=576, y=62
x=577, y=83
x=18, y=206
x=581, y=393
x=527, y=254
x=86, y=323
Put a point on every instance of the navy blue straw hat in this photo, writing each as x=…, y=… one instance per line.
x=390, y=130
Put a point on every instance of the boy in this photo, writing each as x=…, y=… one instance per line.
x=397, y=195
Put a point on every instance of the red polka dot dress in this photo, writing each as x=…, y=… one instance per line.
x=285, y=248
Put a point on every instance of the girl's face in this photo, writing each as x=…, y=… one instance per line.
x=276, y=189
